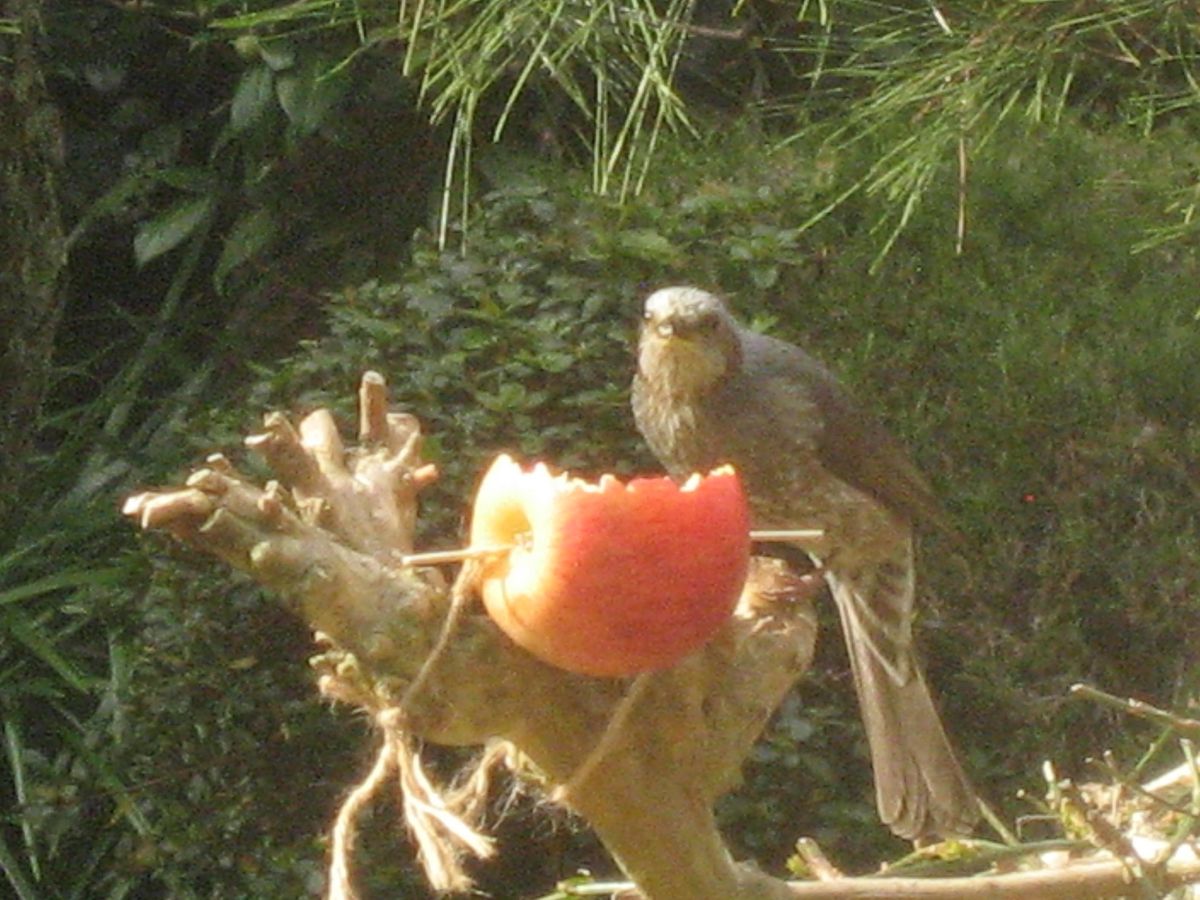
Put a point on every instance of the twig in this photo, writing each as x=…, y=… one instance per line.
x=978, y=858
x=788, y=534
x=1000, y=826
x=459, y=554
x=720, y=34
x=1142, y=790
x=816, y=860
x=1187, y=821
x=1108, y=837
x=1184, y=726
x=1163, y=738
x=1104, y=880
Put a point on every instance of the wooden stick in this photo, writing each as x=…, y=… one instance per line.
x=1095, y=880
x=461, y=554
x=789, y=534
x=1181, y=724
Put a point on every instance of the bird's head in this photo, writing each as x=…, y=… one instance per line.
x=689, y=341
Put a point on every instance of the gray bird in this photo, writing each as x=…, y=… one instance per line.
x=708, y=391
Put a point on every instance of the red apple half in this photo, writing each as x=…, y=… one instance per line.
x=608, y=578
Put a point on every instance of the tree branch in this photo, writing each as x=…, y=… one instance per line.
x=1095, y=880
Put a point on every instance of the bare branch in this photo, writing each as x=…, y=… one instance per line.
x=1095, y=880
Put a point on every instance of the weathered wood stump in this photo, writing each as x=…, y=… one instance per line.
x=330, y=539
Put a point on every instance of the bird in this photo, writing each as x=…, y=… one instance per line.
x=709, y=391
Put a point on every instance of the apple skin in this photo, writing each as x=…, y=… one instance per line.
x=610, y=579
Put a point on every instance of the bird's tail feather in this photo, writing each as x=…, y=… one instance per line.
x=920, y=786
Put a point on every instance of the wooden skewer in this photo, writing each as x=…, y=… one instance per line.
x=442, y=557
x=461, y=554
x=788, y=534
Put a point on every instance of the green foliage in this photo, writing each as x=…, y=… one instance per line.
x=270, y=164
x=927, y=85
x=848, y=70
x=67, y=666
x=524, y=343
x=1020, y=373
x=160, y=731
x=1043, y=378
x=214, y=713
x=611, y=62
x=305, y=94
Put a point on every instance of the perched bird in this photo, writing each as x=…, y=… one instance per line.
x=709, y=391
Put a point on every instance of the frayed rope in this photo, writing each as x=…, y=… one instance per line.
x=443, y=825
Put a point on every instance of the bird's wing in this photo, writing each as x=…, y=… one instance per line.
x=851, y=444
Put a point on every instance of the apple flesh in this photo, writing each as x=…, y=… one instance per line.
x=607, y=578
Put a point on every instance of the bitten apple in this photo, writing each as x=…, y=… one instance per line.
x=608, y=578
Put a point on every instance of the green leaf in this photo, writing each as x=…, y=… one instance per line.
x=15, y=874
x=277, y=54
x=764, y=277
x=247, y=238
x=166, y=232
x=15, y=745
x=193, y=179
x=307, y=94
x=643, y=243
x=161, y=146
x=254, y=92
x=115, y=200
x=60, y=581
x=29, y=633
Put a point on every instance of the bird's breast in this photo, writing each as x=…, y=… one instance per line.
x=674, y=431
